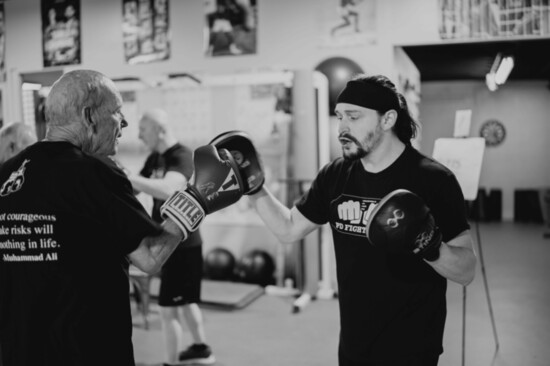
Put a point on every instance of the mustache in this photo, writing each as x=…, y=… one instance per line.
x=347, y=136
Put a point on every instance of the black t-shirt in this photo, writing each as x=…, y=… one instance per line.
x=67, y=223
x=391, y=306
x=177, y=158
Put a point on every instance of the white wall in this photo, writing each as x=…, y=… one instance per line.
x=522, y=160
x=287, y=29
x=287, y=38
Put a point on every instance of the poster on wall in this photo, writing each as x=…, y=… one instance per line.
x=230, y=27
x=1, y=111
x=145, y=29
x=347, y=22
x=2, y=45
x=484, y=19
x=61, y=32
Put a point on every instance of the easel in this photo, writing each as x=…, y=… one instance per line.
x=463, y=156
x=484, y=275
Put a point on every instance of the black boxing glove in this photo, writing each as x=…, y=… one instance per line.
x=402, y=223
x=216, y=183
x=241, y=147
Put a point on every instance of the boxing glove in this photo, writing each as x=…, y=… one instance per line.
x=216, y=183
x=402, y=223
x=241, y=147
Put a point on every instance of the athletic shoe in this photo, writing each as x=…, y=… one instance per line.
x=200, y=354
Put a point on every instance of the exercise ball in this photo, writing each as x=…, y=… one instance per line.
x=257, y=267
x=338, y=71
x=219, y=264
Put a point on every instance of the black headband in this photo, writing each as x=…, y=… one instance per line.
x=368, y=95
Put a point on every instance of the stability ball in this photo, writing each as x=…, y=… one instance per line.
x=219, y=264
x=256, y=266
x=338, y=71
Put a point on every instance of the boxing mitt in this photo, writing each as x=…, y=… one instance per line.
x=402, y=223
x=241, y=147
x=216, y=183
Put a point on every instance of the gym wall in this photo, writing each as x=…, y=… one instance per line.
x=288, y=39
x=521, y=160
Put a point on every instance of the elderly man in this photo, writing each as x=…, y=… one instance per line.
x=70, y=225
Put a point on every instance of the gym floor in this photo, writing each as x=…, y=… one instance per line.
x=267, y=333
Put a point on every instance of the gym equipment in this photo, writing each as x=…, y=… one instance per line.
x=257, y=267
x=527, y=206
x=229, y=295
x=219, y=264
x=244, y=152
x=463, y=156
x=338, y=71
x=402, y=223
x=489, y=303
x=216, y=184
x=544, y=196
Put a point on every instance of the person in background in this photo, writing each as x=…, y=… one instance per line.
x=70, y=226
x=14, y=138
x=168, y=167
x=398, y=220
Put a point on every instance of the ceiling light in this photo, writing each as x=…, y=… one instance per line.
x=490, y=81
x=504, y=69
x=500, y=70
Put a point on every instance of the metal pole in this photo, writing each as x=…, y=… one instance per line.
x=482, y=263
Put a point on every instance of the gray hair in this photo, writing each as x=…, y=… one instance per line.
x=74, y=91
x=158, y=117
x=75, y=98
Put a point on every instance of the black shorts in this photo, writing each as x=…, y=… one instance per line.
x=402, y=360
x=181, y=275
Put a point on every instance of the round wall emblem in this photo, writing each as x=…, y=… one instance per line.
x=493, y=131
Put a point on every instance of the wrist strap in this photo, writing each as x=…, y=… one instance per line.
x=184, y=210
x=431, y=252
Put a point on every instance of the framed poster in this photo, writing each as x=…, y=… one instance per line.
x=61, y=32
x=230, y=27
x=490, y=19
x=463, y=120
x=345, y=23
x=2, y=45
x=145, y=29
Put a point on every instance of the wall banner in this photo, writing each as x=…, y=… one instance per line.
x=145, y=30
x=230, y=27
x=61, y=32
x=2, y=46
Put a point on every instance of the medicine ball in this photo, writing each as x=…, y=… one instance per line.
x=219, y=264
x=338, y=71
x=257, y=267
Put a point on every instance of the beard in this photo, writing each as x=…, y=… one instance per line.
x=356, y=154
x=365, y=147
